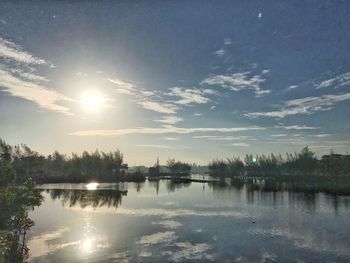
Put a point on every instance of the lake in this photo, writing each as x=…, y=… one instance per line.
x=195, y=222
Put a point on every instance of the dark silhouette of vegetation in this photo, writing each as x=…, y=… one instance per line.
x=57, y=168
x=155, y=170
x=303, y=164
x=178, y=169
x=15, y=202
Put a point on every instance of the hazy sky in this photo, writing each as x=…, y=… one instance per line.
x=194, y=80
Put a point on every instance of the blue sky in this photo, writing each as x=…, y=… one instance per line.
x=194, y=80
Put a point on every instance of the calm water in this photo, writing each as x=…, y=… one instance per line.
x=161, y=222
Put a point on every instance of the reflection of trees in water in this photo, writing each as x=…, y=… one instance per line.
x=171, y=186
x=276, y=192
x=84, y=198
x=14, y=221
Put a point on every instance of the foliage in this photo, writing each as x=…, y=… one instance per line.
x=58, y=167
x=304, y=163
x=178, y=168
x=15, y=202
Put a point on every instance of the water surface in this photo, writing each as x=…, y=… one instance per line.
x=165, y=222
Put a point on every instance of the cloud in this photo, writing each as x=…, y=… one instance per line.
x=10, y=50
x=291, y=87
x=188, y=96
x=172, y=224
x=122, y=86
x=321, y=135
x=157, y=238
x=45, y=98
x=308, y=105
x=167, y=129
x=196, y=114
x=296, y=127
x=222, y=138
x=338, y=81
x=240, y=144
x=278, y=135
x=189, y=252
x=159, y=107
x=220, y=52
x=238, y=82
x=170, y=119
x=171, y=138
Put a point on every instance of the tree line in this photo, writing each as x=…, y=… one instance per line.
x=303, y=163
x=57, y=167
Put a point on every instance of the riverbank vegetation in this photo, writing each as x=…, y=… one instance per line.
x=302, y=165
x=15, y=202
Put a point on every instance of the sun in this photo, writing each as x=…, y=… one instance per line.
x=92, y=100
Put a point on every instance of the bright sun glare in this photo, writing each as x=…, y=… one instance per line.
x=86, y=245
x=92, y=186
x=92, y=100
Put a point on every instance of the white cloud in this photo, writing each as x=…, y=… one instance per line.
x=291, y=87
x=10, y=50
x=159, y=107
x=308, y=105
x=157, y=238
x=45, y=98
x=188, y=96
x=222, y=138
x=240, y=144
x=321, y=135
x=189, y=252
x=122, y=86
x=167, y=129
x=220, y=52
x=238, y=82
x=170, y=119
x=170, y=138
x=296, y=127
x=172, y=224
x=197, y=114
x=336, y=82
x=278, y=135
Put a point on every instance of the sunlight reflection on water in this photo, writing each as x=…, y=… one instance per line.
x=92, y=186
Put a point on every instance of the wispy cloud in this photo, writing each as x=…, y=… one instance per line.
x=122, y=86
x=164, y=130
x=240, y=144
x=10, y=50
x=222, y=138
x=45, y=98
x=296, y=127
x=171, y=138
x=159, y=107
x=220, y=52
x=278, y=135
x=171, y=119
x=308, y=105
x=336, y=82
x=321, y=135
x=238, y=81
x=18, y=79
x=188, y=96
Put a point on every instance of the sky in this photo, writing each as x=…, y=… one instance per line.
x=191, y=80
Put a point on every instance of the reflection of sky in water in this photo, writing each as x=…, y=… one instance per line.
x=160, y=222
